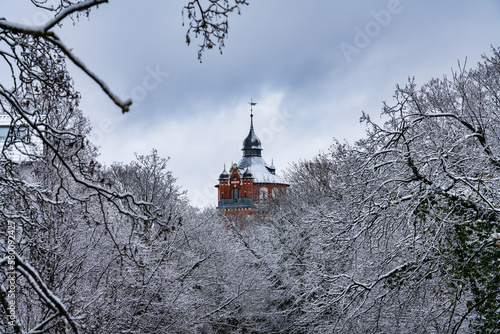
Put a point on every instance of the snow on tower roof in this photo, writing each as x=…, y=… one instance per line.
x=260, y=170
x=252, y=161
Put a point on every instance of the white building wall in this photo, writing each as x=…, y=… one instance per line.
x=19, y=150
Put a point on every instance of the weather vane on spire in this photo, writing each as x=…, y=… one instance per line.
x=251, y=103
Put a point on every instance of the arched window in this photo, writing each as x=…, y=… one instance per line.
x=263, y=193
x=276, y=192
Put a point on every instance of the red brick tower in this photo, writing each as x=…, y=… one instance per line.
x=250, y=181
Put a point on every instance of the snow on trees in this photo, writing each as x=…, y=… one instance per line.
x=394, y=233
x=398, y=232
x=78, y=226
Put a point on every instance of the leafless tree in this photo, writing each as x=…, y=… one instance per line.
x=65, y=207
x=398, y=232
x=210, y=20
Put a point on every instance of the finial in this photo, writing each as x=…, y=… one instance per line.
x=272, y=169
x=251, y=103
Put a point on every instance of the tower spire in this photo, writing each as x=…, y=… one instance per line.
x=251, y=144
x=251, y=103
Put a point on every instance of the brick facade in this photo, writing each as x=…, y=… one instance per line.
x=250, y=181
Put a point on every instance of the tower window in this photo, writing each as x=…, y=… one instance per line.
x=235, y=193
x=263, y=194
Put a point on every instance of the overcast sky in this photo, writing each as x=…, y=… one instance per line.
x=312, y=66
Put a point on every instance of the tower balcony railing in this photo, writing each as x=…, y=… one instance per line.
x=234, y=203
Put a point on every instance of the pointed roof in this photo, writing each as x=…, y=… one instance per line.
x=252, y=146
x=260, y=170
x=247, y=174
x=252, y=161
x=224, y=175
x=271, y=168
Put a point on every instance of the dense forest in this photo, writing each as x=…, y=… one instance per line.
x=395, y=233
